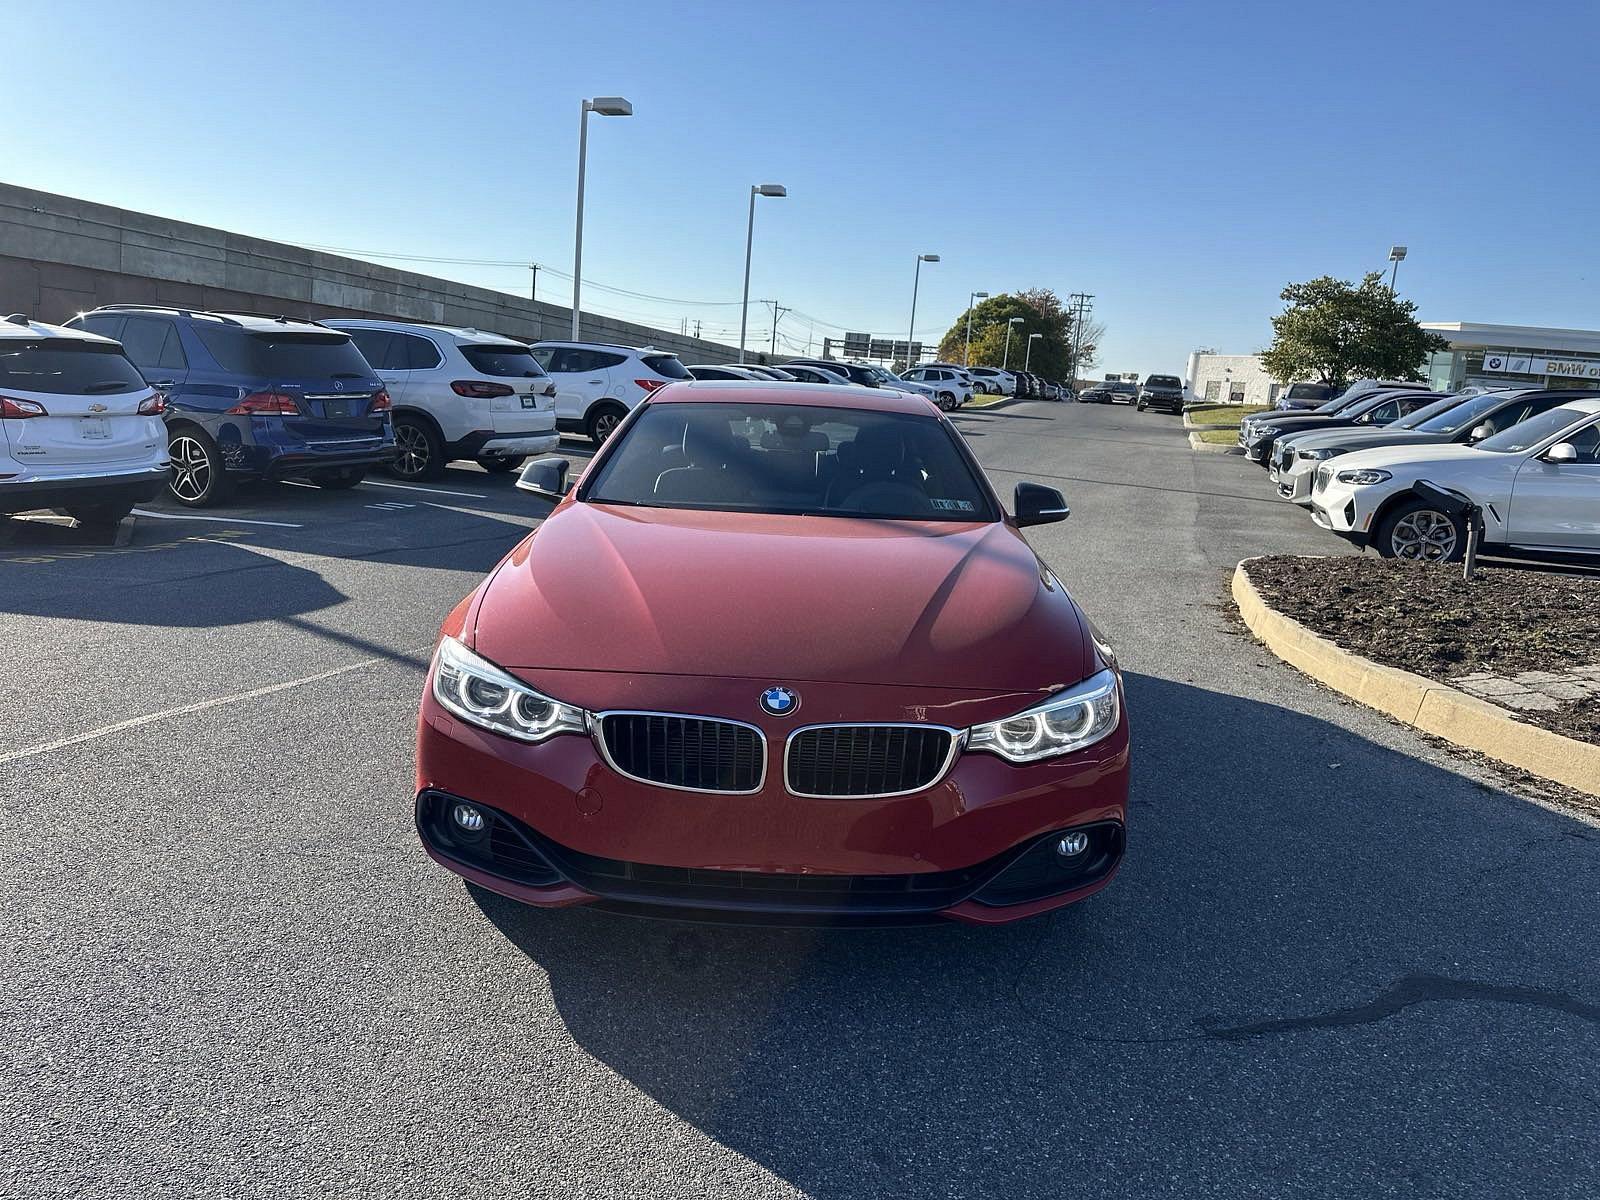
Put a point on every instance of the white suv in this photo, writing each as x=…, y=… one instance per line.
x=457, y=394
x=598, y=384
x=951, y=390
x=1538, y=483
x=993, y=381
x=80, y=429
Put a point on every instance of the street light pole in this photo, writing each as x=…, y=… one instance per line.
x=606, y=106
x=1396, y=256
x=756, y=189
x=915, y=282
x=1028, y=357
x=1006, y=360
x=966, y=353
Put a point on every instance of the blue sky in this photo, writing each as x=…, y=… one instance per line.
x=1179, y=161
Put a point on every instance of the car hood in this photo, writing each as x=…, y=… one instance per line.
x=1361, y=439
x=1398, y=459
x=782, y=598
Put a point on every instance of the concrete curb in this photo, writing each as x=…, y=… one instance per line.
x=1209, y=447
x=1188, y=424
x=1426, y=704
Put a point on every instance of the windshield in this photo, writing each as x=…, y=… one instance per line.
x=67, y=366
x=792, y=459
x=1163, y=381
x=1534, y=430
x=1463, y=414
x=1428, y=411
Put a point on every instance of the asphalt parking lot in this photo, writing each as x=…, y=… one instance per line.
x=1338, y=961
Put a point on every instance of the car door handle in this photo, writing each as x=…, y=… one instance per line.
x=162, y=384
x=597, y=381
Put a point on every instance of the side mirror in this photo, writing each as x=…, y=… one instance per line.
x=545, y=477
x=1034, y=504
x=1479, y=433
x=1561, y=452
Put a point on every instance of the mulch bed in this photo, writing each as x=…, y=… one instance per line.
x=1426, y=619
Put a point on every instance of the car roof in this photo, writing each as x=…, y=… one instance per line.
x=18, y=327
x=464, y=333
x=1590, y=404
x=777, y=391
x=608, y=346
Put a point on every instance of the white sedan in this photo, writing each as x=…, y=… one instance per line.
x=1538, y=484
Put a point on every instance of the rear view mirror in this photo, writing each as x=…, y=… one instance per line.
x=1561, y=452
x=1480, y=432
x=545, y=477
x=1038, y=505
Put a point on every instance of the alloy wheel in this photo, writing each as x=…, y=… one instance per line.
x=412, y=442
x=606, y=424
x=191, y=468
x=1425, y=535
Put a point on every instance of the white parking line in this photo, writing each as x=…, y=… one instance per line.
x=411, y=487
x=145, y=512
x=201, y=706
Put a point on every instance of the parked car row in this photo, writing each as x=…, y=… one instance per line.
x=1370, y=464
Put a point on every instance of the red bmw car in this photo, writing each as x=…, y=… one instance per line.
x=780, y=656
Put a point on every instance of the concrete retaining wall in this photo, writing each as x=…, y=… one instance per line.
x=60, y=256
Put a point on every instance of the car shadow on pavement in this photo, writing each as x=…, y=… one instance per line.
x=1321, y=952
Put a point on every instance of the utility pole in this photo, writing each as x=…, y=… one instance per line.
x=777, y=313
x=533, y=288
x=697, y=328
x=1081, y=311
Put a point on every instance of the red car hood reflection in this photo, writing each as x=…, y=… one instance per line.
x=782, y=599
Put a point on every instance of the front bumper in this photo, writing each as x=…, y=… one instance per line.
x=1295, y=483
x=976, y=846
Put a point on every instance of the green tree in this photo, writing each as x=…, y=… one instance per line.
x=1041, y=312
x=1337, y=332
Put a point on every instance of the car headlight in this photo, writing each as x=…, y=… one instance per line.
x=1077, y=717
x=1363, y=476
x=1322, y=453
x=481, y=694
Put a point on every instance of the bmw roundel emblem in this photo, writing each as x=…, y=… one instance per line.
x=779, y=701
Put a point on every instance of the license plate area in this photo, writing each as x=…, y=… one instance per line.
x=336, y=408
x=94, y=429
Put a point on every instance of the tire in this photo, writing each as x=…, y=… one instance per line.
x=504, y=465
x=199, y=476
x=341, y=479
x=99, y=516
x=1416, y=530
x=421, y=449
x=947, y=401
x=1139, y=407
x=602, y=422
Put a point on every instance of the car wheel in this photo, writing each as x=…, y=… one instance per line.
x=603, y=422
x=199, y=477
x=503, y=465
x=1139, y=407
x=98, y=516
x=340, y=480
x=947, y=401
x=421, y=449
x=1419, y=531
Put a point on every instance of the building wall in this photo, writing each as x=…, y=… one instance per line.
x=1230, y=373
x=60, y=256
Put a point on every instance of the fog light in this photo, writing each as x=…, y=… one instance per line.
x=468, y=818
x=1072, y=844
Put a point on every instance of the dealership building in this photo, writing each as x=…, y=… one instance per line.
x=1485, y=355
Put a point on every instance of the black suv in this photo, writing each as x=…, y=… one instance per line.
x=1161, y=391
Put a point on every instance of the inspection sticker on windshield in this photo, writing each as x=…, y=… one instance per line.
x=952, y=505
